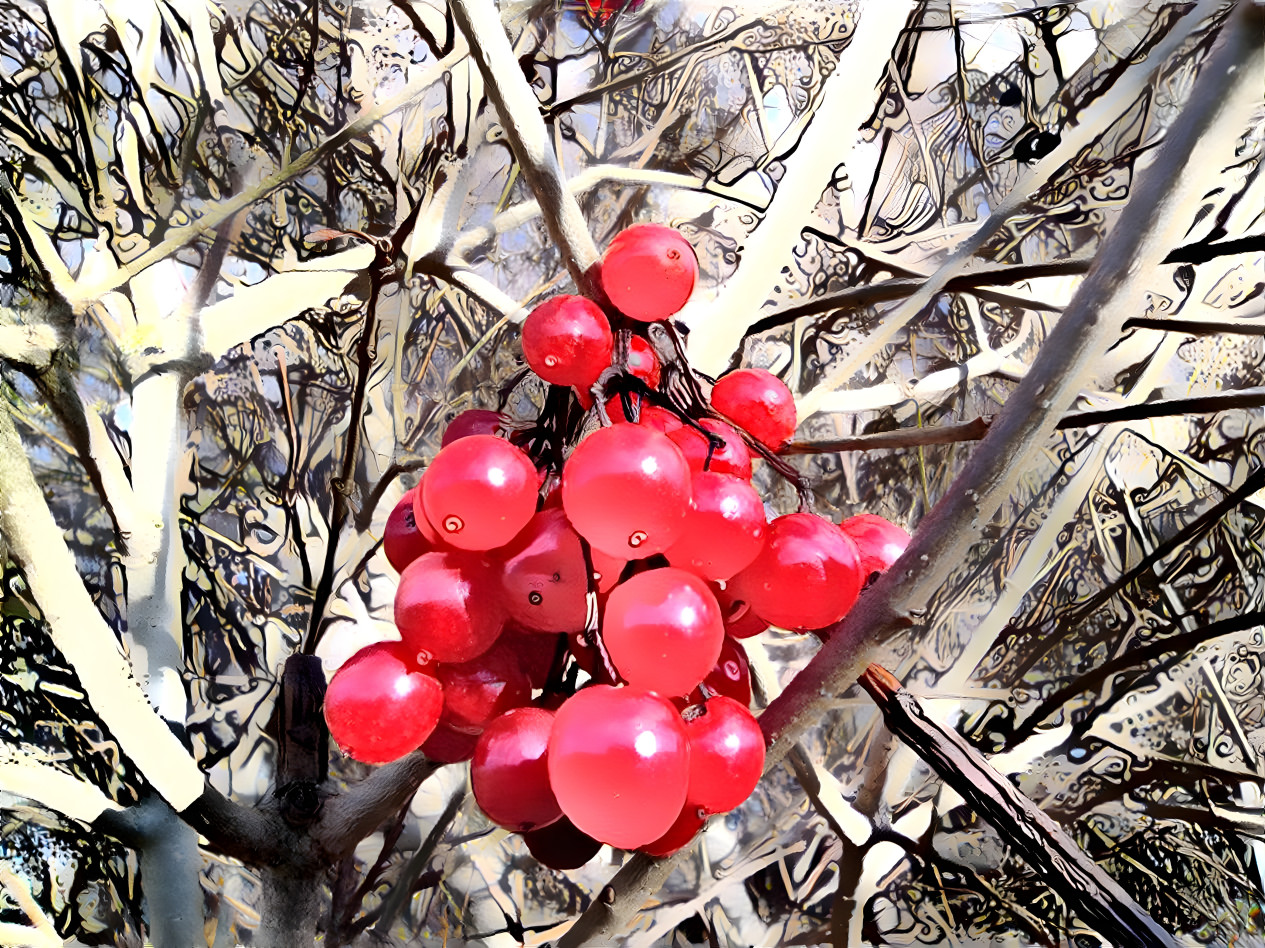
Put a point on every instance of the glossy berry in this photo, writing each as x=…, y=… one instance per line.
x=649, y=416
x=691, y=819
x=543, y=575
x=446, y=746
x=649, y=271
x=477, y=691
x=726, y=754
x=730, y=676
x=663, y=631
x=380, y=705
x=730, y=457
x=567, y=341
x=447, y=607
x=473, y=421
x=880, y=542
x=807, y=576
x=402, y=541
x=619, y=763
x=741, y=621
x=724, y=530
x=479, y=492
x=509, y=772
x=626, y=489
x=759, y=402
x=535, y=652
x=560, y=845
x=642, y=362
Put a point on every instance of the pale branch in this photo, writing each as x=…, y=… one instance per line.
x=848, y=97
x=1154, y=219
x=977, y=428
x=29, y=344
x=1122, y=96
x=1043, y=844
x=52, y=788
x=351, y=816
x=80, y=633
x=528, y=136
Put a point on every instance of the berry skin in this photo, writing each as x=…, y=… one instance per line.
x=473, y=421
x=880, y=542
x=741, y=621
x=567, y=341
x=447, y=607
x=724, y=530
x=477, y=691
x=479, y=492
x=807, y=576
x=446, y=746
x=560, y=845
x=649, y=272
x=663, y=631
x=731, y=677
x=642, y=362
x=731, y=457
x=509, y=772
x=380, y=705
x=626, y=489
x=651, y=416
x=681, y=834
x=402, y=541
x=543, y=576
x=619, y=764
x=759, y=402
x=726, y=754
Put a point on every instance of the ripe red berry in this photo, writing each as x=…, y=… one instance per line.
x=479, y=492
x=560, y=845
x=446, y=746
x=663, y=630
x=567, y=341
x=509, y=772
x=447, y=607
x=473, y=421
x=626, y=489
x=726, y=754
x=759, y=402
x=535, y=652
x=730, y=676
x=807, y=576
x=730, y=457
x=691, y=819
x=619, y=764
x=651, y=416
x=880, y=542
x=649, y=271
x=402, y=541
x=741, y=621
x=543, y=575
x=477, y=691
x=380, y=705
x=724, y=530
x=642, y=362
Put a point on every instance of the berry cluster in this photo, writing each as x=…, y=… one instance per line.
x=610, y=572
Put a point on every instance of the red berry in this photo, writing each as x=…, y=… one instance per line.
x=477, y=691
x=726, y=754
x=473, y=421
x=642, y=362
x=651, y=416
x=536, y=652
x=730, y=676
x=380, y=705
x=741, y=621
x=606, y=569
x=447, y=607
x=619, y=764
x=880, y=542
x=446, y=746
x=663, y=630
x=807, y=576
x=759, y=402
x=543, y=575
x=681, y=834
x=560, y=845
x=479, y=492
x=649, y=271
x=626, y=489
x=402, y=541
x=509, y=772
x=730, y=457
x=567, y=341
x=724, y=530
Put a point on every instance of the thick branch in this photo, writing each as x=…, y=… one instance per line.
x=1155, y=218
x=351, y=816
x=1042, y=843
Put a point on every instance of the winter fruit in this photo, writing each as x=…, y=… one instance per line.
x=477, y=691
x=402, y=541
x=807, y=576
x=560, y=845
x=509, y=772
x=691, y=819
x=642, y=362
x=726, y=754
x=731, y=456
x=880, y=542
x=543, y=575
x=663, y=631
x=759, y=402
x=447, y=607
x=479, y=492
x=567, y=341
x=473, y=421
x=380, y=705
x=649, y=271
x=651, y=416
x=724, y=530
x=446, y=746
x=626, y=489
x=619, y=763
